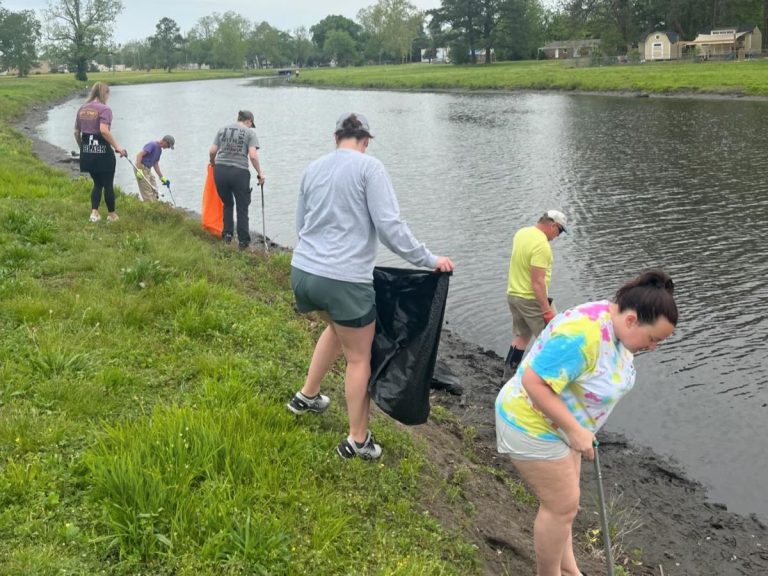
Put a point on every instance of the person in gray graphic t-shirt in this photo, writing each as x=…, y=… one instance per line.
x=233, y=148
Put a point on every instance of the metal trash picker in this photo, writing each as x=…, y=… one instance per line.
x=603, y=512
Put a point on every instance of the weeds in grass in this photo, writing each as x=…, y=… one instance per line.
x=623, y=520
x=144, y=273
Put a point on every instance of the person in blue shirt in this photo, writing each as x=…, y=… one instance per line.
x=147, y=159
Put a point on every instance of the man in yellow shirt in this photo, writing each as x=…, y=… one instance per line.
x=530, y=270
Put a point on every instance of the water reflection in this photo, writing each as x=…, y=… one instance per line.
x=674, y=183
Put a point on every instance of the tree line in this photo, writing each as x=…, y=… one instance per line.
x=80, y=32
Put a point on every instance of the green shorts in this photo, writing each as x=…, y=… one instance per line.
x=349, y=304
x=527, y=319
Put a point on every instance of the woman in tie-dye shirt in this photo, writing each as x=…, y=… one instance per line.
x=574, y=375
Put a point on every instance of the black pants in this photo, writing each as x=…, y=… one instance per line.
x=103, y=182
x=234, y=188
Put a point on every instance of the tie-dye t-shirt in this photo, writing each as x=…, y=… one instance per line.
x=579, y=356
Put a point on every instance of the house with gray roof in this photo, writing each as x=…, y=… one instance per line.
x=561, y=49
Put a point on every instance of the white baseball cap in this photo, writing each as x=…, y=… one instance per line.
x=558, y=217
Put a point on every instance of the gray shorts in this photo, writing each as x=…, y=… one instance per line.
x=350, y=304
x=520, y=446
x=527, y=319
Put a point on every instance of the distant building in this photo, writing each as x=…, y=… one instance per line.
x=41, y=67
x=728, y=42
x=435, y=55
x=661, y=45
x=561, y=49
x=480, y=54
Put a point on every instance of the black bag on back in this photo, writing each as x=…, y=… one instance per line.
x=410, y=305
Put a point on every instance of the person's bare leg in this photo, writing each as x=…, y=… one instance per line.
x=568, y=565
x=356, y=345
x=556, y=485
x=327, y=350
x=520, y=342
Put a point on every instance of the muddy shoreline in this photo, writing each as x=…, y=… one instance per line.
x=679, y=529
x=676, y=530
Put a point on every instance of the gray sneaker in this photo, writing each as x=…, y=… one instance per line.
x=301, y=404
x=369, y=450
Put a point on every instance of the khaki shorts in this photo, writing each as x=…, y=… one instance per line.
x=348, y=304
x=527, y=319
x=520, y=446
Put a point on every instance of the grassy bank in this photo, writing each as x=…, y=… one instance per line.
x=749, y=78
x=143, y=374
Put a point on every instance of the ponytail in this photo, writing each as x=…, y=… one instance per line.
x=651, y=295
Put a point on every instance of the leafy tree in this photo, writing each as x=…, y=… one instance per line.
x=19, y=35
x=302, y=46
x=328, y=24
x=230, y=45
x=372, y=19
x=136, y=54
x=341, y=47
x=268, y=46
x=81, y=28
x=464, y=18
x=167, y=42
x=402, y=24
x=521, y=30
x=201, y=39
x=765, y=25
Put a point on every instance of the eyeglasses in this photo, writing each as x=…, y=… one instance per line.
x=560, y=229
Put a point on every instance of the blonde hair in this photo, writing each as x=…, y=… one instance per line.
x=99, y=92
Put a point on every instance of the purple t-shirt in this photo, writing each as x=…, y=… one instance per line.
x=152, y=153
x=91, y=115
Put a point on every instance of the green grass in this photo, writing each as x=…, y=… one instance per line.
x=143, y=374
x=749, y=77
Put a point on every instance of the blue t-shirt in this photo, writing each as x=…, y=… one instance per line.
x=152, y=151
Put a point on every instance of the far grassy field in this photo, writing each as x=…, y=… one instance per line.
x=144, y=370
x=748, y=77
x=17, y=94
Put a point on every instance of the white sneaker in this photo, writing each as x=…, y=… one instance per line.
x=369, y=450
x=95, y=217
x=300, y=404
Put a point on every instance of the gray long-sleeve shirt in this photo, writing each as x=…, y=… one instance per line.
x=346, y=202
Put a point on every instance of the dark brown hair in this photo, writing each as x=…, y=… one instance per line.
x=651, y=295
x=244, y=115
x=352, y=128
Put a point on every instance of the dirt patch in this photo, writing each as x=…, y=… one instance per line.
x=675, y=530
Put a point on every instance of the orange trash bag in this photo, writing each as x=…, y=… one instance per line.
x=213, y=207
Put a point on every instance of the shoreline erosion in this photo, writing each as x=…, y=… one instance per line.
x=681, y=531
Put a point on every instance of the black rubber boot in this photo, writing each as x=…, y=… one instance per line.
x=511, y=362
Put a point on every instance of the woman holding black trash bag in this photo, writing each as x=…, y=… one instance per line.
x=547, y=415
x=93, y=134
x=346, y=204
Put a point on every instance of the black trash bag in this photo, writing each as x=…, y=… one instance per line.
x=443, y=378
x=410, y=305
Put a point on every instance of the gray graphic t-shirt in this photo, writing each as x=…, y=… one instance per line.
x=233, y=142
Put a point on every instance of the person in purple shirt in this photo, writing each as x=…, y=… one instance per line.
x=148, y=158
x=93, y=134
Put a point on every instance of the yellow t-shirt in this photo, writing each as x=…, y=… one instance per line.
x=530, y=248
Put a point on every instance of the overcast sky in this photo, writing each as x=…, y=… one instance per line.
x=140, y=16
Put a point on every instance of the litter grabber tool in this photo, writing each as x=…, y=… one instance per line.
x=263, y=220
x=603, y=512
x=167, y=183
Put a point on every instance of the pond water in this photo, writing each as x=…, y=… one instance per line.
x=676, y=183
